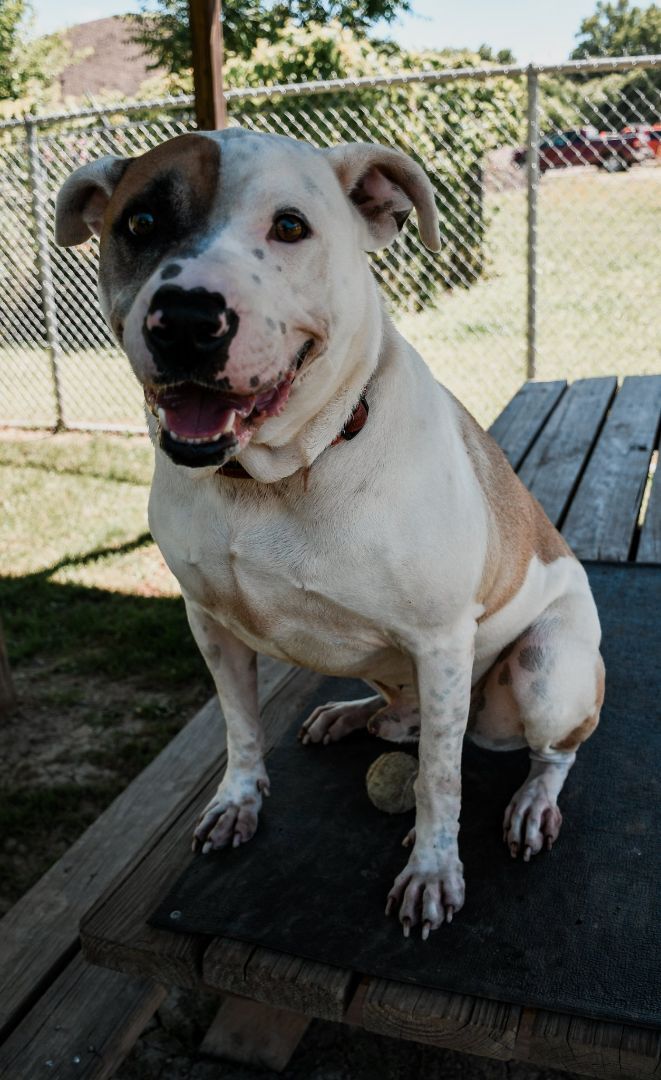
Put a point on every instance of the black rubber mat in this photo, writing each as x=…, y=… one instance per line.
x=575, y=930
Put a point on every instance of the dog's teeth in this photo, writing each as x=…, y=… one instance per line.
x=229, y=423
x=193, y=441
x=161, y=416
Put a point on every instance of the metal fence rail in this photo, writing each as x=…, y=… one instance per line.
x=548, y=268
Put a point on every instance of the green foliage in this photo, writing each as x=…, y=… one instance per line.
x=162, y=28
x=503, y=56
x=27, y=66
x=12, y=13
x=448, y=128
x=618, y=29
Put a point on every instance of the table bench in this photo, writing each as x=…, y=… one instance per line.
x=584, y=450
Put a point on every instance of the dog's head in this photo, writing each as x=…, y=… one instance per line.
x=229, y=268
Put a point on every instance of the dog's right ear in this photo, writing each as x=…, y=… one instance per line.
x=83, y=199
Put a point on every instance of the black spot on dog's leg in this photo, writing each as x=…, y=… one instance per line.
x=172, y=270
x=505, y=676
x=532, y=658
x=258, y=253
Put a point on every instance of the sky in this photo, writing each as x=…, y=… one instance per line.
x=541, y=31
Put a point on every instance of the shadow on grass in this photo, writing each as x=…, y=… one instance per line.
x=137, y=655
x=113, y=475
x=91, y=630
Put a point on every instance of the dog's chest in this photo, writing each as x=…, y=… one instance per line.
x=287, y=584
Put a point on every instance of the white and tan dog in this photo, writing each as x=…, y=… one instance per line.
x=233, y=273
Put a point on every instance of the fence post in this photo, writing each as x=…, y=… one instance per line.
x=44, y=267
x=532, y=176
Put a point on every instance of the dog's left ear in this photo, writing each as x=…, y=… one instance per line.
x=384, y=185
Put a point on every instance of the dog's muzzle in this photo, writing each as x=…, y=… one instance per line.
x=202, y=419
x=188, y=332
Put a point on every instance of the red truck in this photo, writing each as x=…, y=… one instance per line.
x=653, y=132
x=612, y=151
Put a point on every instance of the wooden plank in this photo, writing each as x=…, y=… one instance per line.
x=454, y=1021
x=523, y=418
x=115, y=933
x=604, y=511
x=7, y=692
x=40, y=933
x=554, y=465
x=83, y=1027
x=254, y=1034
x=649, y=547
x=589, y=1047
x=306, y=987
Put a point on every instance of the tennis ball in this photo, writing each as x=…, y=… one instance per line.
x=390, y=782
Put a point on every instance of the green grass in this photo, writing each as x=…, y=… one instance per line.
x=104, y=662
x=599, y=291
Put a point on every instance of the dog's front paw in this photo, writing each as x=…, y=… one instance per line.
x=430, y=889
x=231, y=816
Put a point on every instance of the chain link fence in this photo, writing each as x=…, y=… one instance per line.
x=548, y=186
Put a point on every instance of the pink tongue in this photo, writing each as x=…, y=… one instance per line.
x=197, y=413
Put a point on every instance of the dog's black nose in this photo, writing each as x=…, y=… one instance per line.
x=185, y=326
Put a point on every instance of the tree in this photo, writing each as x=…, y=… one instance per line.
x=162, y=28
x=27, y=66
x=12, y=15
x=617, y=29
x=503, y=56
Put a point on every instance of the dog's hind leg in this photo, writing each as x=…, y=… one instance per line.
x=399, y=719
x=555, y=676
x=332, y=721
x=391, y=714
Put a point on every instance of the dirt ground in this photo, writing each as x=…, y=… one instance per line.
x=168, y=1050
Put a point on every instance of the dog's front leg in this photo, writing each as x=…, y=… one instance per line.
x=231, y=816
x=431, y=887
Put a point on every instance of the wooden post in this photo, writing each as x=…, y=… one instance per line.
x=207, y=42
x=7, y=694
x=252, y=1033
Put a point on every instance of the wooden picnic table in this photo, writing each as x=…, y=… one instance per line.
x=584, y=451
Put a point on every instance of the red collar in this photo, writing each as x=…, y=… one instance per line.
x=353, y=426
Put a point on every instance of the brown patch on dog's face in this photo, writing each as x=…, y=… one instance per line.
x=176, y=183
x=192, y=160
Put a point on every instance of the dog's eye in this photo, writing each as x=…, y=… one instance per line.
x=289, y=228
x=141, y=223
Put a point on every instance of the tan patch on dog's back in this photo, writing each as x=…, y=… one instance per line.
x=520, y=528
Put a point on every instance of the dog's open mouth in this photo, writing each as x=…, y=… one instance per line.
x=199, y=425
